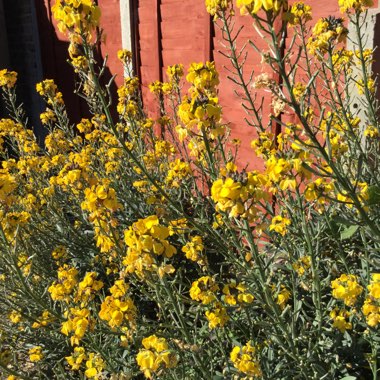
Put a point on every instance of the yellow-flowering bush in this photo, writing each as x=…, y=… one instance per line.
x=134, y=247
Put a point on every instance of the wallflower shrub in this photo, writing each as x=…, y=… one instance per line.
x=137, y=248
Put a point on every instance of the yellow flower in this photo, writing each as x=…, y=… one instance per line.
x=346, y=288
x=216, y=6
x=46, y=87
x=35, y=354
x=326, y=32
x=279, y=224
x=76, y=358
x=244, y=360
x=298, y=13
x=374, y=286
x=203, y=76
x=8, y=79
x=371, y=132
x=79, y=63
x=115, y=311
x=357, y=5
x=94, y=366
x=119, y=288
x=79, y=16
x=155, y=355
x=283, y=297
x=15, y=317
x=175, y=72
x=236, y=293
x=194, y=250
x=339, y=318
x=203, y=290
x=47, y=116
x=125, y=56
x=217, y=317
x=146, y=240
x=254, y=6
x=298, y=91
x=43, y=320
x=370, y=86
x=302, y=265
x=371, y=311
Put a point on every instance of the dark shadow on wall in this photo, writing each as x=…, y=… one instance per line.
x=23, y=56
x=36, y=52
x=54, y=58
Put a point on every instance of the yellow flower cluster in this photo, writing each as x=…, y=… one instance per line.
x=36, y=354
x=99, y=197
x=370, y=85
x=15, y=317
x=217, y=316
x=76, y=359
x=94, y=366
x=25, y=141
x=43, y=320
x=215, y=7
x=236, y=294
x=298, y=91
x=79, y=63
x=118, y=307
x=147, y=240
x=318, y=191
x=201, y=109
x=76, y=325
x=67, y=280
x=203, y=77
x=283, y=296
x=94, y=362
x=264, y=144
x=357, y=5
x=48, y=89
x=158, y=87
x=244, y=360
x=76, y=16
x=326, y=33
x=339, y=318
x=279, y=224
x=371, y=132
x=178, y=171
x=156, y=355
x=125, y=56
x=346, y=288
x=194, y=250
x=8, y=79
x=7, y=182
x=204, y=289
x=254, y=6
x=342, y=60
x=239, y=198
x=127, y=105
x=299, y=13
x=175, y=73
x=302, y=265
x=87, y=288
x=371, y=307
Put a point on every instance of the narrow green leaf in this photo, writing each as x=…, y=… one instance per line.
x=348, y=232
